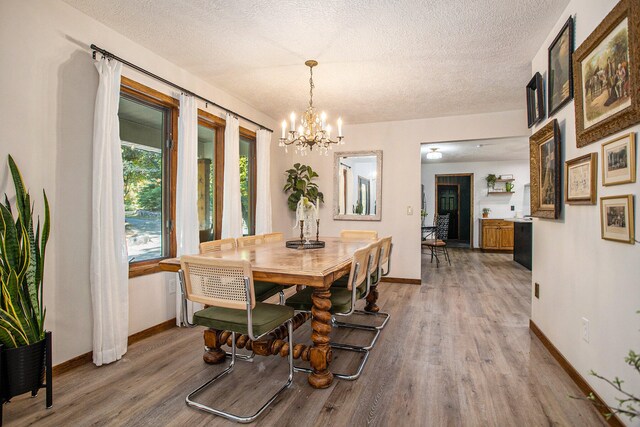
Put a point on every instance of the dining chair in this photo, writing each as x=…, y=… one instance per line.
x=217, y=245
x=383, y=258
x=359, y=234
x=343, y=301
x=439, y=243
x=247, y=241
x=227, y=287
x=273, y=237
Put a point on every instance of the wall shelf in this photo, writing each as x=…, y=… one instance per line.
x=500, y=192
x=505, y=180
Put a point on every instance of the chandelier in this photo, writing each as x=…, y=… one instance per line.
x=313, y=130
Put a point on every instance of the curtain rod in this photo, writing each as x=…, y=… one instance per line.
x=108, y=54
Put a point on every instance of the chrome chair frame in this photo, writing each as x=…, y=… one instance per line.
x=383, y=314
x=233, y=417
x=348, y=347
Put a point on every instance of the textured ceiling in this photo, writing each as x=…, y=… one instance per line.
x=379, y=60
x=478, y=150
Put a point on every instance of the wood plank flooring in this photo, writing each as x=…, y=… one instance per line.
x=456, y=352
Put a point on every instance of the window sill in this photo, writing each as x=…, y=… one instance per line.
x=144, y=268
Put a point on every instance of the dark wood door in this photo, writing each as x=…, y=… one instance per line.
x=449, y=203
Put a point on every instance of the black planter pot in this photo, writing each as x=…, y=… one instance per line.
x=23, y=369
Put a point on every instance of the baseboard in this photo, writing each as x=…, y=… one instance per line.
x=161, y=327
x=88, y=357
x=582, y=384
x=401, y=280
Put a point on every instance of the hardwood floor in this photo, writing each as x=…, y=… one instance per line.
x=457, y=351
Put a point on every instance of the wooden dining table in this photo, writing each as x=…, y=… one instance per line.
x=316, y=268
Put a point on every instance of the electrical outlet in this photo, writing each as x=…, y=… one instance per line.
x=585, y=329
x=172, y=286
x=513, y=208
x=409, y=210
x=536, y=290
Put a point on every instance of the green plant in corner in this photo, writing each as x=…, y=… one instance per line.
x=21, y=267
x=299, y=183
x=629, y=404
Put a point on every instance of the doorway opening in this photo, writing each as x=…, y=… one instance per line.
x=454, y=196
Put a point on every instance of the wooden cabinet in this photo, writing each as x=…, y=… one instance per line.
x=496, y=234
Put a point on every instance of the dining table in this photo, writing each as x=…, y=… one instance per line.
x=317, y=268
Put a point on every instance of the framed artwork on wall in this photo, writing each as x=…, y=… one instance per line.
x=617, y=218
x=580, y=176
x=559, y=71
x=606, y=84
x=545, y=169
x=535, y=100
x=619, y=160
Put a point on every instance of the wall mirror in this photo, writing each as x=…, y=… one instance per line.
x=357, y=193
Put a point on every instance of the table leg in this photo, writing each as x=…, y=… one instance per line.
x=320, y=354
x=213, y=341
x=371, y=299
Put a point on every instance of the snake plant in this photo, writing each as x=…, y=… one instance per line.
x=21, y=267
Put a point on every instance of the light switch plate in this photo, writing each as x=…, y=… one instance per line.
x=409, y=210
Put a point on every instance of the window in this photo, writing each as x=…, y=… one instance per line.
x=147, y=127
x=247, y=181
x=210, y=175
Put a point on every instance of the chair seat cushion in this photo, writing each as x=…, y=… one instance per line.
x=434, y=242
x=266, y=317
x=344, y=280
x=340, y=300
x=265, y=290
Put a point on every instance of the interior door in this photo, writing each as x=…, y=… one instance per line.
x=449, y=203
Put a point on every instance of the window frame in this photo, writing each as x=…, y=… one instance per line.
x=217, y=124
x=151, y=96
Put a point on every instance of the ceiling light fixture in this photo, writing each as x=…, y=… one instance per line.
x=313, y=130
x=434, y=154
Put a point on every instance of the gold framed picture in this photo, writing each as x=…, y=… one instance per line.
x=606, y=85
x=546, y=170
x=619, y=160
x=617, y=218
x=580, y=176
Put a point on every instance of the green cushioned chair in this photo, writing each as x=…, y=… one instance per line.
x=265, y=290
x=381, y=259
x=227, y=287
x=343, y=301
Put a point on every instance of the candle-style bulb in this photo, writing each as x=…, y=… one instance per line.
x=340, y=126
x=284, y=129
x=323, y=116
x=292, y=117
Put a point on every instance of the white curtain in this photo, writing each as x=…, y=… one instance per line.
x=232, y=204
x=263, y=182
x=109, y=273
x=187, y=226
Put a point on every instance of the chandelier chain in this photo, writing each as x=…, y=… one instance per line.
x=311, y=87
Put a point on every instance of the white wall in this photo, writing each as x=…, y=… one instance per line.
x=581, y=275
x=47, y=95
x=499, y=204
x=400, y=145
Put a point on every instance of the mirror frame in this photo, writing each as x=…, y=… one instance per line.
x=336, y=168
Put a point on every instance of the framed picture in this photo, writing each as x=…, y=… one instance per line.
x=580, y=175
x=616, y=218
x=605, y=75
x=619, y=160
x=545, y=168
x=560, y=73
x=535, y=100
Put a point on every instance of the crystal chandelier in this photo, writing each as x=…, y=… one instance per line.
x=313, y=130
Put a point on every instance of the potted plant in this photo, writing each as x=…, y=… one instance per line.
x=24, y=344
x=485, y=212
x=299, y=183
x=491, y=181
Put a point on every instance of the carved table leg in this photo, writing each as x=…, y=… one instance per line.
x=372, y=298
x=320, y=354
x=213, y=340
